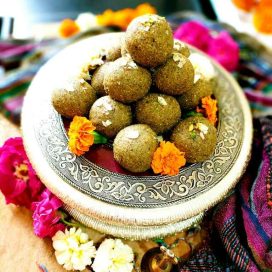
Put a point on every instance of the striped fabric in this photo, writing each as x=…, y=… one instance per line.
x=15, y=83
x=230, y=240
x=12, y=95
x=241, y=229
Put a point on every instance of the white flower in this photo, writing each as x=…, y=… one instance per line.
x=86, y=21
x=113, y=256
x=73, y=249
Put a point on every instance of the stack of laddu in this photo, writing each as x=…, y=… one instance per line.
x=144, y=85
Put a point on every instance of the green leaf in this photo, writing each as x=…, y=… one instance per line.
x=193, y=135
x=192, y=113
x=99, y=139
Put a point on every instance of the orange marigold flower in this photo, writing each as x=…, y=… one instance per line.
x=262, y=18
x=106, y=18
x=209, y=109
x=123, y=17
x=80, y=135
x=245, y=5
x=68, y=28
x=167, y=159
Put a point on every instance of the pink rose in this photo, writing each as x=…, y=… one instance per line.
x=18, y=181
x=225, y=50
x=45, y=217
x=194, y=33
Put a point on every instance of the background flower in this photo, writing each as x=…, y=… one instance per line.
x=262, y=17
x=225, y=50
x=245, y=5
x=122, y=18
x=45, y=216
x=18, y=180
x=194, y=33
x=221, y=47
x=68, y=27
x=113, y=256
x=73, y=249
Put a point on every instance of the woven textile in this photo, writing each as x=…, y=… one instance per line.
x=241, y=226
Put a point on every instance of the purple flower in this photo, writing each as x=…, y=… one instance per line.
x=194, y=33
x=45, y=217
x=18, y=181
x=225, y=50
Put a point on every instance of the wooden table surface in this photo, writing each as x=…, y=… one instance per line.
x=20, y=249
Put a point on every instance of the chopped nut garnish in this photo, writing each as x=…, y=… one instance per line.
x=179, y=59
x=145, y=28
x=133, y=134
x=203, y=128
x=193, y=134
x=197, y=77
x=91, y=64
x=177, y=45
x=96, y=61
x=107, y=106
x=123, y=61
x=106, y=123
x=198, y=127
x=162, y=101
x=202, y=65
x=128, y=63
x=146, y=24
x=159, y=138
x=132, y=65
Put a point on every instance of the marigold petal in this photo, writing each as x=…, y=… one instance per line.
x=80, y=135
x=209, y=109
x=167, y=159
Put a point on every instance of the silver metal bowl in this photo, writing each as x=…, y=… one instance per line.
x=120, y=204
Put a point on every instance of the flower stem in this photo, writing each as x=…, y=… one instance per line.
x=72, y=224
x=98, y=138
x=67, y=223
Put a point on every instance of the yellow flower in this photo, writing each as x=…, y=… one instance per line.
x=262, y=19
x=80, y=135
x=123, y=17
x=144, y=8
x=113, y=256
x=167, y=159
x=73, y=249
